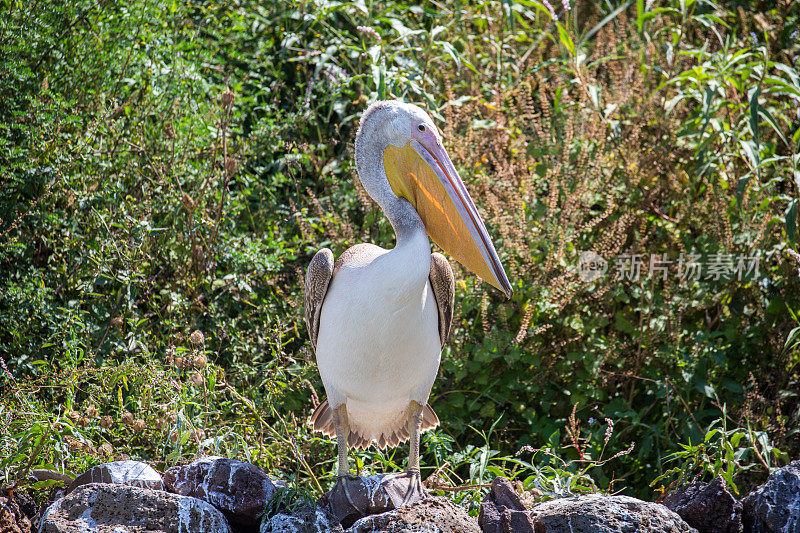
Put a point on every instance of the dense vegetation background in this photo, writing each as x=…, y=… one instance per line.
x=168, y=168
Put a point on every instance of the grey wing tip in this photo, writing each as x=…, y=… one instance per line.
x=318, y=277
x=322, y=259
x=429, y=418
x=322, y=419
x=443, y=284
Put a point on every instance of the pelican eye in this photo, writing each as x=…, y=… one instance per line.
x=421, y=127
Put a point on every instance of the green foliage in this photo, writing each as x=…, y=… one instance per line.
x=169, y=168
x=723, y=453
x=289, y=499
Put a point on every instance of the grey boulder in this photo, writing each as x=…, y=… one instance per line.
x=431, y=515
x=115, y=508
x=606, y=514
x=134, y=473
x=774, y=507
x=240, y=490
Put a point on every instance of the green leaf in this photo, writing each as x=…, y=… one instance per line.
x=752, y=96
x=622, y=324
x=751, y=150
x=382, y=82
x=566, y=40
x=767, y=116
x=791, y=221
x=47, y=483
x=791, y=337
x=452, y=52
x=639, y=15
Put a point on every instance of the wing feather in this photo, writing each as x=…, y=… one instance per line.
x=318, y=277
x=444, y=291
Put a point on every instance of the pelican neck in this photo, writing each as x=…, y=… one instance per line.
x=405, y=220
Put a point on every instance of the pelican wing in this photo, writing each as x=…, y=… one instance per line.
x=318, y=277
x=444, y=291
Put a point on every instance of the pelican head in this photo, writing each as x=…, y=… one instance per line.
x=399, y=154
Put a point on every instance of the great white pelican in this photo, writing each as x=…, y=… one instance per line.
x=377, y=318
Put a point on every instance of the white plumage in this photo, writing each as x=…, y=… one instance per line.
x=383, y=297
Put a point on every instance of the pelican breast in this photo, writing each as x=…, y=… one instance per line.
x=378, y=338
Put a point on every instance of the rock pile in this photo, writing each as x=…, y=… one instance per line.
x=219, y=495
x=773, y=507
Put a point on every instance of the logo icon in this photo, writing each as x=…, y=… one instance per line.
x=591, y=266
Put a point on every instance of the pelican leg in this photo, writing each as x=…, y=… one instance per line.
x=414, y=428
x=406, y=488
x=415, y=491
x=342, y=428
x=342, y=504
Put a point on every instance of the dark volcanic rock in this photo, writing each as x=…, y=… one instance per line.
x=775, y=505
x=433, y=514
x=12, y=517
x=502, y=510
x=134, y=473
x=709, y=507
x=605, y=514
x=374, y=505
x=241, y=490
x=490, y=518
x=503, y=494
x=115, y=508
x=303, y=520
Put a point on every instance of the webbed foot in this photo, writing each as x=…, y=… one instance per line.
x=342, y=501
x=404, y=488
